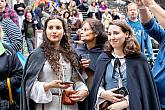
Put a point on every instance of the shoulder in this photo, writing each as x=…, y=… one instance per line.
x=137, y=59
x=141, y=56
x=105, y=55
x=10, y=11
x=9, y=25
x=9, y=51
x=7, y=21
x=37, y=53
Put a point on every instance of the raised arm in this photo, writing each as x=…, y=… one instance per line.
x=145, y=14
x=155, y=9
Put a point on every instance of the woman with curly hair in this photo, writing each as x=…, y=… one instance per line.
x=48, y=67
x=123, y=66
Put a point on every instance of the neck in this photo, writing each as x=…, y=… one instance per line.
x=119, y=53
x=57, y=45
x=134, y=19
x=91, y=44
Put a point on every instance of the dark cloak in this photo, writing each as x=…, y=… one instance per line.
x=33, y=66
x=143, y=94
x=94, y=54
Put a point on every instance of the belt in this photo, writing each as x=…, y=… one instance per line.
x=56, y=94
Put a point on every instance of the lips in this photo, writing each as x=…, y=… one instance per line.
x=54, y=36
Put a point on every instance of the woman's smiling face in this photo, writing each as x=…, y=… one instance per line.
x=116, y=36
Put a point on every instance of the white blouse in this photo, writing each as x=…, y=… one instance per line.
x=53, y=102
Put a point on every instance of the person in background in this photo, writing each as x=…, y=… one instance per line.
x=42, y=83
x=38, y=2
x=93, y=11
x=63, y=8
x=12, y=34
x=29, y=27
x=83, y=6
x=106, y=19
x=38, y=17
x=123, y=65
x=6, y=12
x=142, y=37
x=76, y=19
x=76, y=39
x=103, y=6
x=93, y=36
x=114, y=14
x=155, y=30
x=10, y=67
x=29, y=9
x=19, y=8
x=72, y=5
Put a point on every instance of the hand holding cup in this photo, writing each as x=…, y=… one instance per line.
x=85, y=60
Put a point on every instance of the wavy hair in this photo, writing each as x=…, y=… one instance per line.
x=131, y=45
x=52, y=54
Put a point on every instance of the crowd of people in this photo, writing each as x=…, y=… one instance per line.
x=101, y=67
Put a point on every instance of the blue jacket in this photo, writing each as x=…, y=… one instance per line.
x=142, y=37
x=158, y=70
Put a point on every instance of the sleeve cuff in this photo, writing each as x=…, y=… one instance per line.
x=39, y=95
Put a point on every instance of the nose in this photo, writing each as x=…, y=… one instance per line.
x=54, y=30
x=81, y=31
x=110, y=37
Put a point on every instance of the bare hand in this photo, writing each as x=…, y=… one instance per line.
x=113, y=97
x=144, y=2
x=84, y=63
x=119, y=105
x=56, y=84
x=79, y=95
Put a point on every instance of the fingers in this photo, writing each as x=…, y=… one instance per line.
x=75, y=97
x=85, y=63
x=57, y=84
x=118, y=95
x=114, y=100
x=64, y=86
x=114, y=89
x=78, y=95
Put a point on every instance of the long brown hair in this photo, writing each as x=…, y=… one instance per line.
x=131, y=45
x=52, y=54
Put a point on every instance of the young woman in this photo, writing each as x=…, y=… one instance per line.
x=123, y=65
x=48, y=67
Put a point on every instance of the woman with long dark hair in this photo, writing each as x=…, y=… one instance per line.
x=48, y=68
